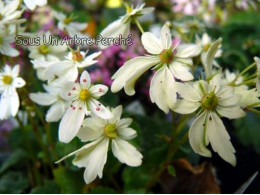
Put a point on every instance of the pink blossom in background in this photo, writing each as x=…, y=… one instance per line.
x=101, y=76
x=187, y=7
x=108, y=56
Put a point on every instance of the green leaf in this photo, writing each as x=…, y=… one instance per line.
x=18, y=157
x=136, y=191
x=49, y=187
x=171, y=171
x=13, y=183
x=102, y=190
x=68, y=180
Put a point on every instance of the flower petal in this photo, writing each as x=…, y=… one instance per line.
x=197, y=134
x=85, y=80
x=71, y=122
x=130, y=72
x=166, y=36
x=188, y=92
x=186, y=107
x=98, y=90
x=220, y=140
x=126, y=133
x=18, y=82
x=180, y=71
x=187, y=50
x=126, y=153
x=99, y=110
x=56, y=112
x=231, y=112
x=44, y=99
x=151, y=43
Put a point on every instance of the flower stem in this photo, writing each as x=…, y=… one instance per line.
x=251, y=81
x=252, y=105
x=173, y=148
x=138, y=25
x=252, y=110
x=242, y=73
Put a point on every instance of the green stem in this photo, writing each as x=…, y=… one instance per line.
x=242, y=73
x=252, y=110
x=253, y=105
x=251, y=81
x=35, y=171
x=139, y=25
x=173, y=148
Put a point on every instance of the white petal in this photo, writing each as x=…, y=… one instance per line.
x=71, y=122
x=180, y=71
x=231, y=112
x=187, y=50
x=30, y=4
x=70, y=91
x=15, y=71
x=93, y=160
x=44, y=99
x=126, y=133
x=166, y=36
x=151, y=43
x=99, y=110
x=14, y=102
x=130, y=72
x=186, y=107
x=85, y=80
x=5, y=105
x=214, y=84
x=56, y=112
x=188, y=92
x=98, y=90
x=197, y=134
x=220, y=140
x=18, y=82
x=126, y=153
x=124, y=123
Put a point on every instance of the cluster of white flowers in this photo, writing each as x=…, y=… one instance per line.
x=73, y=100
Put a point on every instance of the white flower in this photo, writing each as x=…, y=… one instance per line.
x=229, y=77
x=51, y=98
x=9, y=81
x=41, y=68
x=99, y=132
x=45, y=52
x=122, y=25
x=169, y=59
x=249, y=97
x=84, y=98
x=31, y=4
x=5, y=43
x=205, y=42
x=257, y=60
x=9, y=13
x=67, y=24
x=67, y=70
x=212, y=100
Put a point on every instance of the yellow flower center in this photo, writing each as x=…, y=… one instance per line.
x=206, y=47
x=110, y=131
x=209, y=101
x=7, y=79
x=44, y=49
x=166, y=56
x=67, y=20
x=84, y=95
x=76, y=56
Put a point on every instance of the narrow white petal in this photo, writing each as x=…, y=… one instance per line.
x=15, y=71
x=91, y=130
x=117, y=112
x=166, y=36
x=44, y=99
x=197, y=136
x=71, y=122
x=126, y=133
x=99, y=109
x=130, y=72
x=98, y=90
x=124, y=123
x=15, y=103
x=126, y=153
x=56, y=112
x=231, y=112
x=186, y=106
x=187, y=50
x=85, y=80
x=18, y=82
x=220, y=140
x=151, y=43
x=180, y=71
x=188, y=92
x=5, y=105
